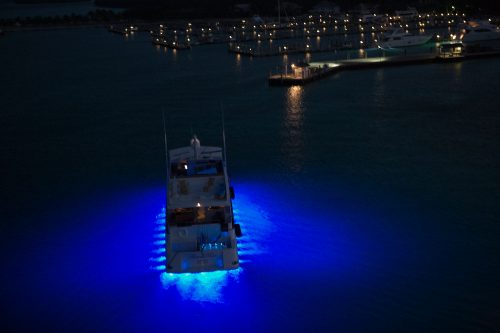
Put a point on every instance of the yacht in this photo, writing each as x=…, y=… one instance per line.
x=397, y=37
x=480, y=31
x=407, y=15
x=200, y=229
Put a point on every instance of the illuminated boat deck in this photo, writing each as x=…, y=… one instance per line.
x=208, y=286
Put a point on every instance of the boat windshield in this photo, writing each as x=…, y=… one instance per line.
x=198, y=168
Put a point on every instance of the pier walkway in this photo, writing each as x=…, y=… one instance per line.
x=318, y=70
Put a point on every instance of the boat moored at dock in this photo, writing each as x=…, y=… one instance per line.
x=397, y=37
x=480, y=33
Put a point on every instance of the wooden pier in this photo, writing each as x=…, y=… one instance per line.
x=171, y=44
x=318, y=70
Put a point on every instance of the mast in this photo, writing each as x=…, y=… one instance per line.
x=167, y=171
x=223, y=136
x=166, y=145
x=279, y=14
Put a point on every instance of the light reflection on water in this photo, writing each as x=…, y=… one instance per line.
x=379, y=89
x=294, y=138
x=457, y=71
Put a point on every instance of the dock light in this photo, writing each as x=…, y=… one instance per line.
x=198, y=204
x=437, y=36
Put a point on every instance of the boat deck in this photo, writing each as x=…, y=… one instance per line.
x=192, y=191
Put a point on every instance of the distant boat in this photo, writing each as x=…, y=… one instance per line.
x=397, y=37
x=201, y=233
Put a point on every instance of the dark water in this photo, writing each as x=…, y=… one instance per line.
x=369, y=200
x=11, y=10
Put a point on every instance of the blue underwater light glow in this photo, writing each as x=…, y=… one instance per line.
x=208, y=286
x=200, y=287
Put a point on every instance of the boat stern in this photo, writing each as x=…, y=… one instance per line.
x=212, y=258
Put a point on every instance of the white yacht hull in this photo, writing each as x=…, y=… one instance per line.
x=406, y=42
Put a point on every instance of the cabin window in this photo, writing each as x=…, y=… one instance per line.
x=196, y=168
x=197, y=215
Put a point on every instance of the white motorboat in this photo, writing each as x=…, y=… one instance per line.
x=200, y=229
x=397, y=37
x=476, y=32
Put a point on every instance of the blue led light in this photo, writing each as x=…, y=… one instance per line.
x=159, y=242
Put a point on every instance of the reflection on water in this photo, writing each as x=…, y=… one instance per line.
x=208, y=286
x=294, y=141
x=285, y=59
x=457, y=71
x=307, y=57
x=238, y=61
x=379, y=88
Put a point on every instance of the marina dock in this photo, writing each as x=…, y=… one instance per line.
x=302, y=74
x=256, y=51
